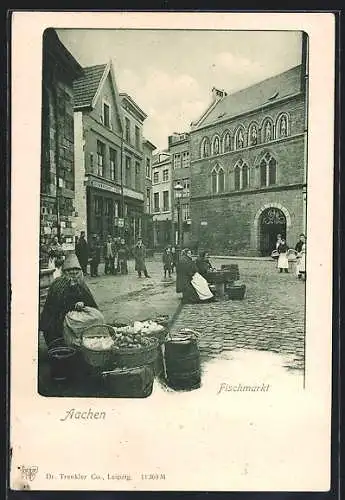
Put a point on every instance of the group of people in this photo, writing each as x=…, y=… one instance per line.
x=114, y=249
x=283, y=255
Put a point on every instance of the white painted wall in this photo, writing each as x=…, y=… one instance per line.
x=79, y=172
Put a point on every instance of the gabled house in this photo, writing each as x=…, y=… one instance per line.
x=109, y=165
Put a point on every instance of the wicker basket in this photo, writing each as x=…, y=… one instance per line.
x=291, y=255
x=97, y=358
x=275, y=254
x=136, y=356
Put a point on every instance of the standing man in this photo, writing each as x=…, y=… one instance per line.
x=109, y=255
x=95, y=254
x=82, y=252
x=140, y=255
x=122, y=257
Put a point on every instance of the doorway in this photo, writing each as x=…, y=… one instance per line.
x=272, y=223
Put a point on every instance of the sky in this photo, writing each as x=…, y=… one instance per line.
x=170, y=73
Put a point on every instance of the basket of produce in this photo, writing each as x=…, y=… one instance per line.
x=96, y=346
x=134, y=346
x=291, y=255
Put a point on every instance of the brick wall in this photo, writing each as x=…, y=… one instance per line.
x=233, y=222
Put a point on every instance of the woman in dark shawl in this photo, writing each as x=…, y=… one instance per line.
x=65, y=294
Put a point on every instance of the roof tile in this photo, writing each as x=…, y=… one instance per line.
x=85, y=87
x=259, y=94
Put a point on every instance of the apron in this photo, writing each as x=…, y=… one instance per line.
x=283, y=262
x=201, y=287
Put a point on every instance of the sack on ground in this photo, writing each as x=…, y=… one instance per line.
x=201, y=287
x=76, y=322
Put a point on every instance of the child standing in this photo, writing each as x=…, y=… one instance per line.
x=167, y=262
x=283, y=263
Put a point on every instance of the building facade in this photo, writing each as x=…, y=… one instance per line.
x=57, y=207
x=179, y=149
x=162, y=199
x=109, y=156
x=248, y=167
x=147, y=225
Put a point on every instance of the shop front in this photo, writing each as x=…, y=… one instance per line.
x=103, y=208
x=133, y=216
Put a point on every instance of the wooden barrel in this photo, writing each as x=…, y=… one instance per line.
x=232, y=272
x=182, y=364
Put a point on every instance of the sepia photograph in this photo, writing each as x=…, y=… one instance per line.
x=173, y=210
x=172, y=183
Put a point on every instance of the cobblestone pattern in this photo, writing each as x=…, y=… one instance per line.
x=270, y=318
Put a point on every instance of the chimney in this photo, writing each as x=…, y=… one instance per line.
x=218, y=94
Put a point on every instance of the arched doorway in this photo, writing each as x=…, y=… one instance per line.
x=272, y=222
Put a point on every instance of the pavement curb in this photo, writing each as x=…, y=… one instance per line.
x=175, y=315
x=234, y=257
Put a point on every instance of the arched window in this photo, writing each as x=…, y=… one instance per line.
x=216, y=146
x=239, y=138
x=268, y=170
x=263, y=169
x=267, y=130
x=217, y=180
x=282, y=127
x=272, y=172
x=214, y=181
x=205, y=148
x=245, y=176
x=221, y=181
x=253, y=135
x=241, y=175
x=227, y=142
x=237, y=178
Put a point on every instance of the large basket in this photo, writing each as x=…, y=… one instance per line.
x=291, y=255
x=94, y=357
x=275, y=254
x=136, y=356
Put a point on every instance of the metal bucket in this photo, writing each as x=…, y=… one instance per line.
x=62, y=362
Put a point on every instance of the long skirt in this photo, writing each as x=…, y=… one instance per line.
x=301, y=264
x=283, y=262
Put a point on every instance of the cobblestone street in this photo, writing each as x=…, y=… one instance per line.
x=270, y=318
x=265, y=330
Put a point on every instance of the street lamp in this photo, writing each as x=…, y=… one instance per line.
x=178, y=188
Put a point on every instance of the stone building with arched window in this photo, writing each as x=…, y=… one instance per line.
x=248, y=168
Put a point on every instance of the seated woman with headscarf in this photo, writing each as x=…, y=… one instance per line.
x=193, y=286
x=203, y=264
x=66, y=293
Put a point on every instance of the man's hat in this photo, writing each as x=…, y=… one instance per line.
x=71, y=262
